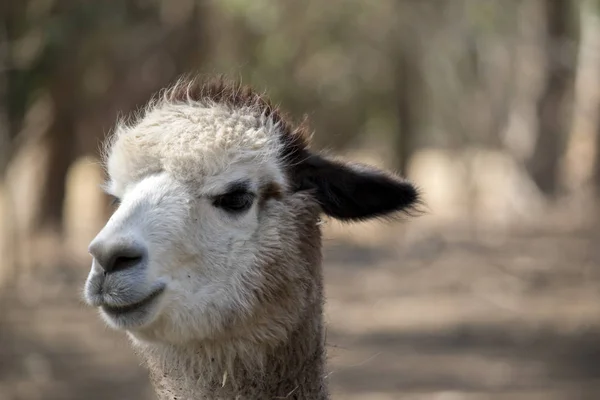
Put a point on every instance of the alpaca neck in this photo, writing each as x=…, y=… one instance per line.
x=292, y=369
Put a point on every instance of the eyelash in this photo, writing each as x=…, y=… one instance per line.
x=115, y=201
x=234, y=202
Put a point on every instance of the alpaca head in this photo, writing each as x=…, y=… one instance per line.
x=215, y=236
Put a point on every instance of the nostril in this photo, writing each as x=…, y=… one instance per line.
x=123, y=262
x=119, y=258
x=117, y=253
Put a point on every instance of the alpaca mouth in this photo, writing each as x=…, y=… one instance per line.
x=133, y=307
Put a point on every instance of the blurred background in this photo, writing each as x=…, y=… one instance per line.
x=491, y=107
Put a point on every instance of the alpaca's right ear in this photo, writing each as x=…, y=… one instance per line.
x=354, y=191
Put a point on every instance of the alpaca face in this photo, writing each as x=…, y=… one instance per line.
x=176, y=259
x=215, y=236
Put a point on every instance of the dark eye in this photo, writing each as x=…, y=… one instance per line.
x=237, y=201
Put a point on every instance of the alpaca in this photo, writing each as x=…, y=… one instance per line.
x=211, y=262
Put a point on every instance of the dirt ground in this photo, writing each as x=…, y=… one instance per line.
x=441, y=314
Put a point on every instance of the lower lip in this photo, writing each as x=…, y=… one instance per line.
x=139, y=306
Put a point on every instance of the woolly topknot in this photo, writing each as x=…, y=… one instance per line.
x=233, y=94
x=198, y=128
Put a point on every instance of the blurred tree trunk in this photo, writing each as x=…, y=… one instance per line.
x=580, y=167
x=552, y=109
x=59, y=145
x=407, y=91
x=6, y=226
x=10, y=17
x=595, y=7
x=11, y=13
x=596, y=172
x=5, y=135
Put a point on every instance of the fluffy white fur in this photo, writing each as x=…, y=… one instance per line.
x=192, y=141
x=166, y=169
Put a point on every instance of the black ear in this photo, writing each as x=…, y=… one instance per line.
x=354, y=191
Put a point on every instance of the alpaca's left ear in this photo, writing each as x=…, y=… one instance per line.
x=353, y=191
